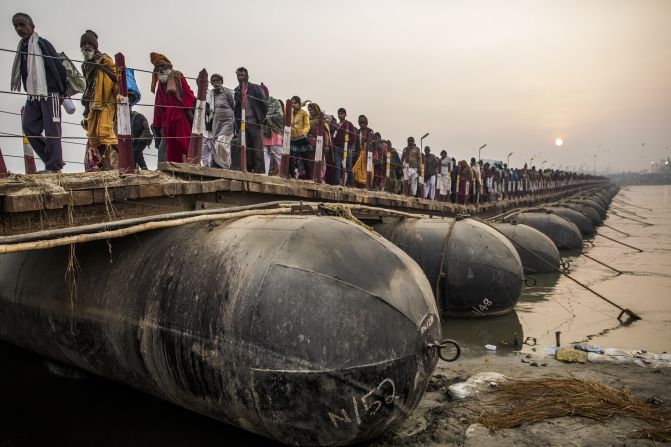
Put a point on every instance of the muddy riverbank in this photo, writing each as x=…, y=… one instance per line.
x=442, y=421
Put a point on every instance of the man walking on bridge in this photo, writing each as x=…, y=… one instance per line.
x=173, y=108
x=255, y=112
x=38, y=67
x=99, y=101
x=411, y=159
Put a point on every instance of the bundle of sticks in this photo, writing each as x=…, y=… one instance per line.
x=519, y=402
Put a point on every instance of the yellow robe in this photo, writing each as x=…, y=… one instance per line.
x=359, y=168
x=102, y=110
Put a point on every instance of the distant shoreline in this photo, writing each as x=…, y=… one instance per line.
x=635, y=179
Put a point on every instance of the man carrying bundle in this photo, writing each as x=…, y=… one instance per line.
x=99, y=101
x=44, y=80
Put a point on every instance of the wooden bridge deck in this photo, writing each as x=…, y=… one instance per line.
x=48, y=201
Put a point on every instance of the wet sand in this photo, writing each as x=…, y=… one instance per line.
x=440, y=421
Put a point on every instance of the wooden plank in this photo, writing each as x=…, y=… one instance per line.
x=213, y=185
x=172, y=189
x=202, y=171
x=119, y=194
x=22, y=203
x=81, y=198
x=235, y=185
x=151, y=190
x=255, y=187
x=192, y=188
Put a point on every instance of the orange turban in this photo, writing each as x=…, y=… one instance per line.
x=157, y=59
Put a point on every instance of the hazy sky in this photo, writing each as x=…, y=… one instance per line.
x=515, y=75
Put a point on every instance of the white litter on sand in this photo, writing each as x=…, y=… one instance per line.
x=641, y=358
x=475, y=384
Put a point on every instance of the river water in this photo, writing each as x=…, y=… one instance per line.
x=42, y=405
x=557, y=303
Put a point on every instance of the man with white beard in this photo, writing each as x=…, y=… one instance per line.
x=173, y=108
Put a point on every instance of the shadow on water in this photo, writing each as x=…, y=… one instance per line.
x=473, y=334
x=542, y=289
x=43, y=404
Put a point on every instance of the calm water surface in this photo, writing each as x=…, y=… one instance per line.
x=558, y=304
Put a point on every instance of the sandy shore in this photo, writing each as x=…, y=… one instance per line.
x=441, y=421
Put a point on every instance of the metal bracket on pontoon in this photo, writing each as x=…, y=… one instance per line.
x=444, y=344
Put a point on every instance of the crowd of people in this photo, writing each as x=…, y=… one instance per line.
x=323, y=147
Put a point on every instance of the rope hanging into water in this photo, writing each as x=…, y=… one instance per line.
x=623, y=311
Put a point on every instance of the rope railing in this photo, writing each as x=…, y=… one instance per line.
x=185, y=137
x=376, y=181
x=521, y=192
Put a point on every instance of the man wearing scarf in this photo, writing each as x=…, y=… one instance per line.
x=219, y=124
x=173, y=108
x=99, y=101
x=364, y=143
x=315, y=111
x=273, y=133
x=300, y=145
x=344, y=130
x=379, y=162
x=394, y=183
x=255, y=112
x=464, y=174
x=430, y=171
x=38, y=67
x=411, y=159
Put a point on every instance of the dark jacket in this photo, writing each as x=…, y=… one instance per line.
x=257, y=103
x=54, y=69
x=430, y=166
x=140, y=133
x=396, y=165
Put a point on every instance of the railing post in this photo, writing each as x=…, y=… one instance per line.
x=125, y=147
x=198, y=126
x=243, y=129
x=3, y=166
x=319, y=150
x=456, y=189
x=343, y=169
x=28, y=156
x=28, y=153
x=420, y=179
x=286, y=141
x=388, y=169
x=369, y=165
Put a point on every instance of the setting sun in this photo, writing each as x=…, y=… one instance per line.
x=559, y=142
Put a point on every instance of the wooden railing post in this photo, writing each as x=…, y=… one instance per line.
x=3, y=166
x=198, y=126
x=369, y=163
x=243, y=128
x=420, y=179
x=319, y=150
x=28, y=153
x=125, y=147
x=387, y=157
x=28, y=156
x=343, y=168
x=286, y=141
